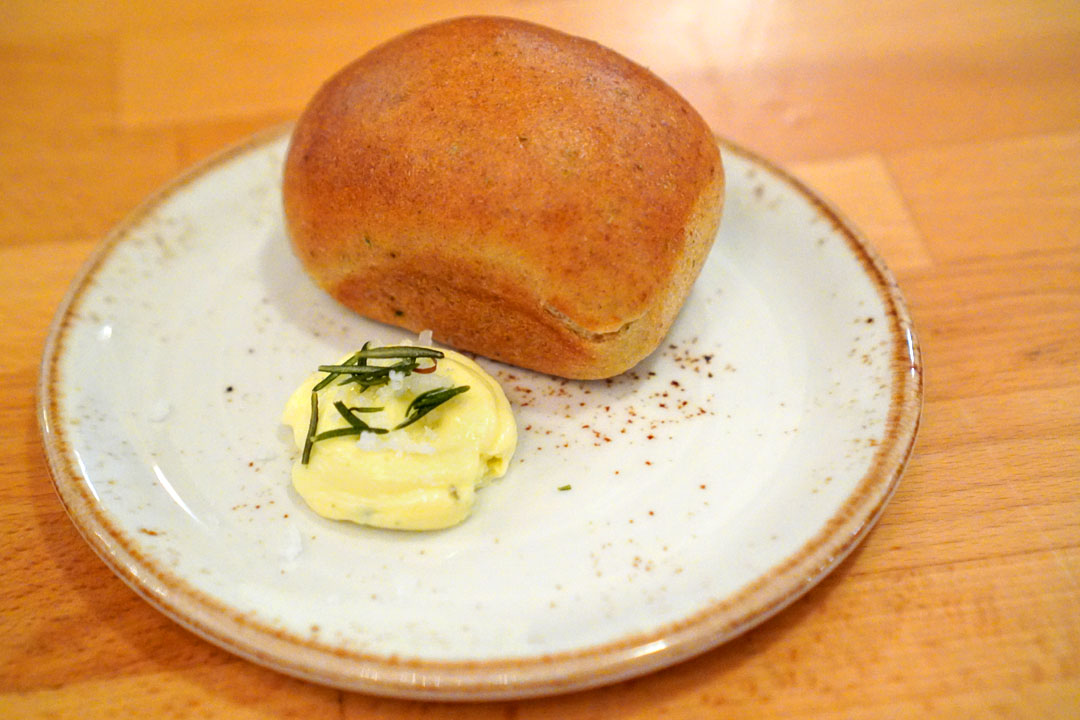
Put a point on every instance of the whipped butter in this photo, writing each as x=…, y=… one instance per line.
x=408, y=472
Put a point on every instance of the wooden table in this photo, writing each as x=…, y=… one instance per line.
x=950, y=132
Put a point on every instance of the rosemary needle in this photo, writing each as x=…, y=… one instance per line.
x=400, y=351
x=342, y=432
x=313, y=425
x=348, y=414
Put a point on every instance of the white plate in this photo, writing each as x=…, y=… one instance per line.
x=710, y=486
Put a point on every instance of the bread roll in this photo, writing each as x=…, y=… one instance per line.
x=527, y=195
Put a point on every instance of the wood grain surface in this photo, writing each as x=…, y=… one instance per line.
x=949, y=132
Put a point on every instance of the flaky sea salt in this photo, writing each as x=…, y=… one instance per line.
x=159, y=411
x=368, y=441
x=292, y=545
x=399, y=442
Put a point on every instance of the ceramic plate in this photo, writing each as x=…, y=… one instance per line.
x=708, y=488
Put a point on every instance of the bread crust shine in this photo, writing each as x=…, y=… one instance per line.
x=527, y=195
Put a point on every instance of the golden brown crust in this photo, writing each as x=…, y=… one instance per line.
x=528, y=195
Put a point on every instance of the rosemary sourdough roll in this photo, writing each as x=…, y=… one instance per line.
x=528, y=195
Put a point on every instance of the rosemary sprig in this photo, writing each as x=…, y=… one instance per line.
x=356, y=359
x=368, y=370
x=347, y=413
x=357, y=370
x=356, y=425
x=370, y=375
x=425, y=402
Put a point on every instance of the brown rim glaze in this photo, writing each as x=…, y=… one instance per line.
x=499, y=678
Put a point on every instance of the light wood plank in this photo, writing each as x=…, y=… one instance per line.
x=27, y=308
x=230, y=692
x=74, y=184
x=1007, y=197
x=862, y=189
x=999, y=326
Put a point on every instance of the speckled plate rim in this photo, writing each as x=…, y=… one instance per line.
x=507, y=678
